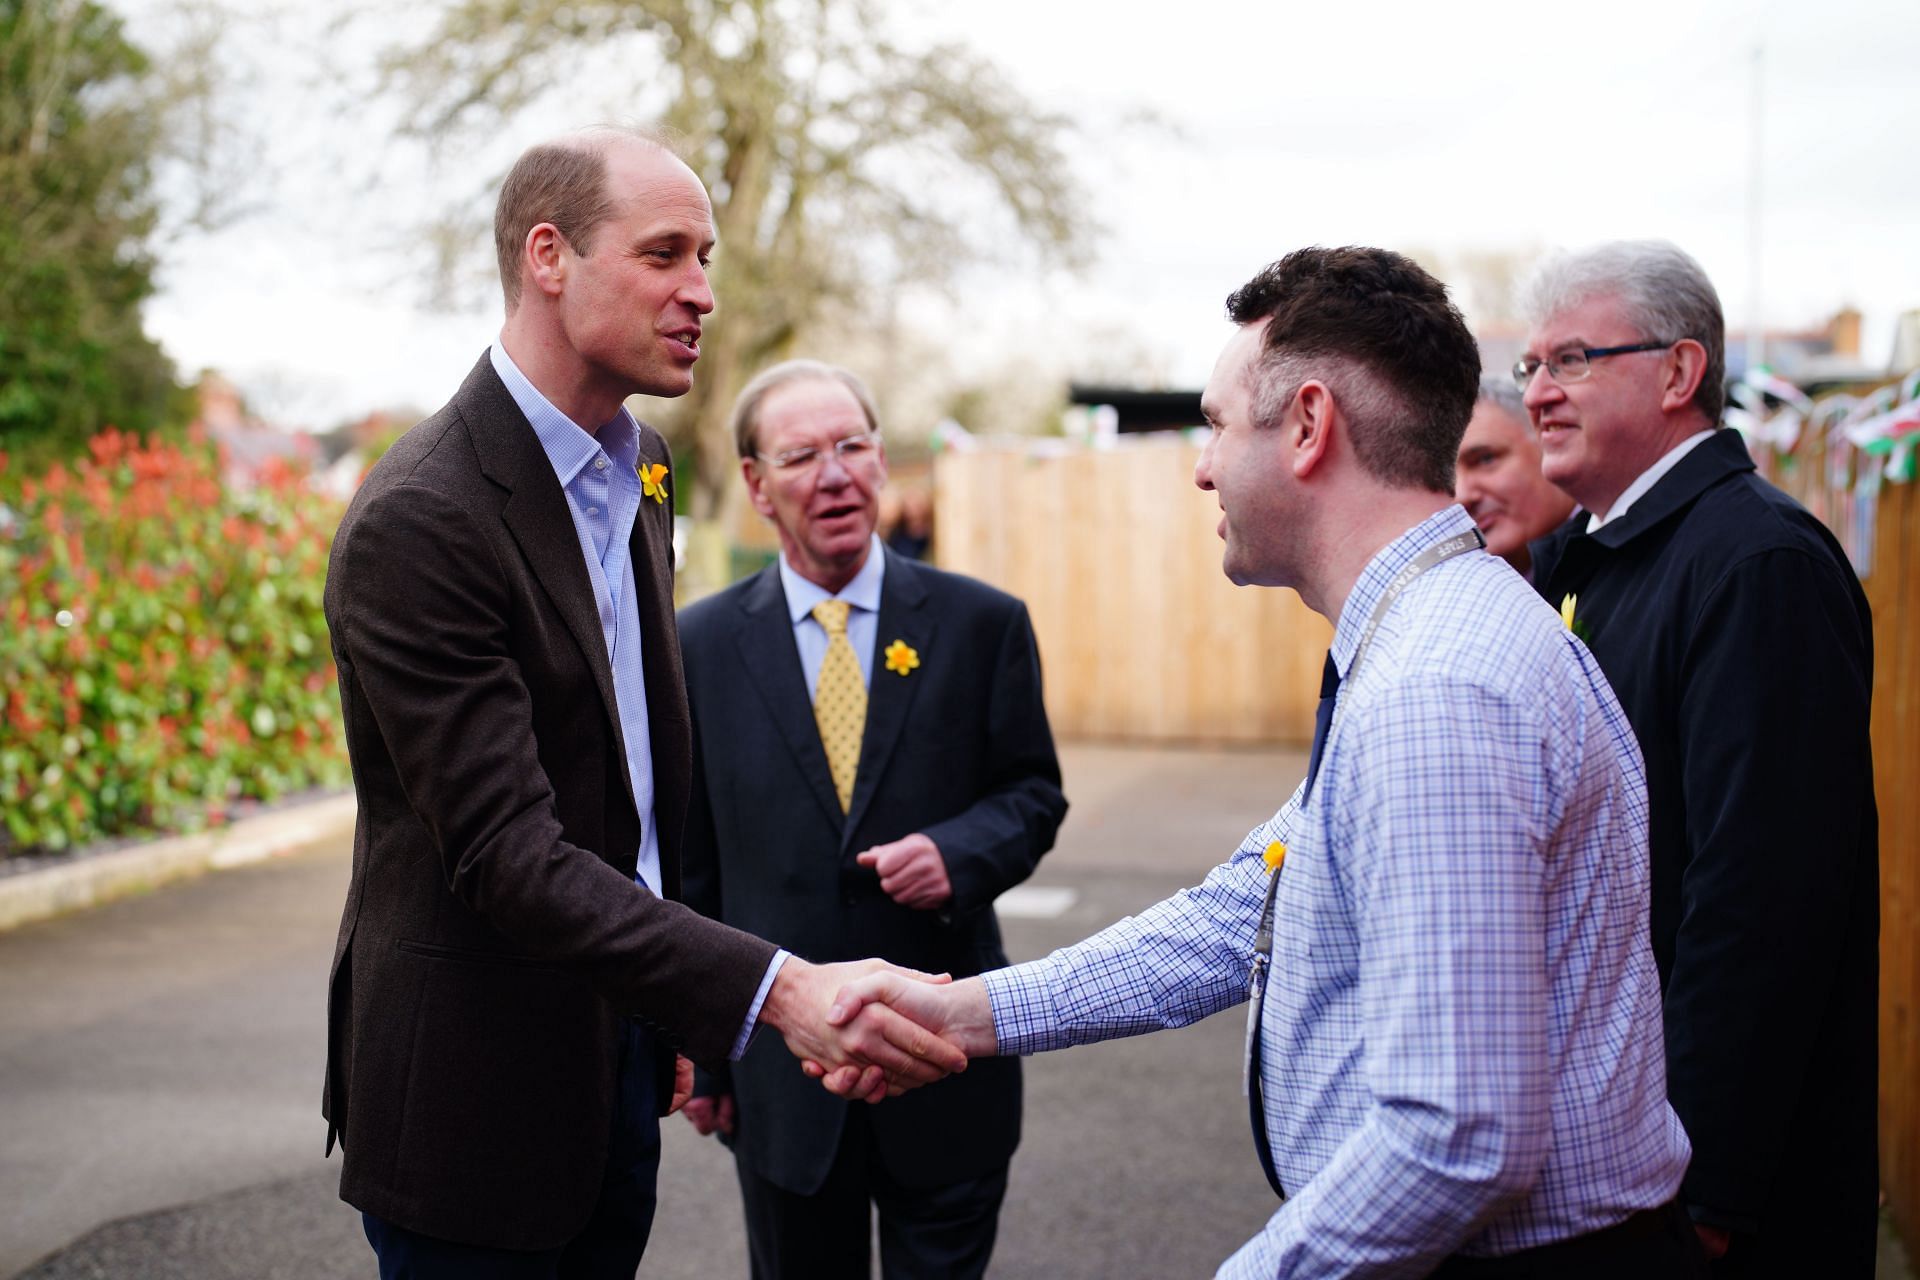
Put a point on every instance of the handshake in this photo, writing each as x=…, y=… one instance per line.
x=866, y=1030
x=871, y=1030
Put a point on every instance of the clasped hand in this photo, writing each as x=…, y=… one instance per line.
x=958, y=1014
x=872, y=1051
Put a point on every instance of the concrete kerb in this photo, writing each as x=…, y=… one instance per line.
x=39, y=894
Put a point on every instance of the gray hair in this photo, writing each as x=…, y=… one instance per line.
x=1664, y=292
x=746, y=410
x=1497, y=389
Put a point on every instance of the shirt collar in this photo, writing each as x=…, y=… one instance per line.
x=569, y=446
x=1647, y=479
x=862, y=593
x=1380, y=571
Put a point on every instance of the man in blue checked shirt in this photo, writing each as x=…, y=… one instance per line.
x=1455, y=1061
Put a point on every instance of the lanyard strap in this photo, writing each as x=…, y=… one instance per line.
x=1459, y=544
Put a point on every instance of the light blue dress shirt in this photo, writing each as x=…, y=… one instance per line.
x=863, y=619
x=599, y=475
x=1461, y=1046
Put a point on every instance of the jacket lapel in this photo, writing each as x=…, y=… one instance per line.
x=1570, y=554
x=1720, y=455
x=536, y=515
x=669, y=728
x=890, y=695
x=772, y=661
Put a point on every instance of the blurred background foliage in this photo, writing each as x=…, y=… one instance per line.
x=162, y=651
x=843, y=163
x=163, y=643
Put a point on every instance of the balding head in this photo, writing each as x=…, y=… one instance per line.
x=562, y=182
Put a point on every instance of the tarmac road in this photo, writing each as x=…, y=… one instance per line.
x=160, y=1063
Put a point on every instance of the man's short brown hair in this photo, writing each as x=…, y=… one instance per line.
x=563, y=182
x=1380, y=332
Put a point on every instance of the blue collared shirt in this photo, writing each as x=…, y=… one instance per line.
x=1461, y=1043
x=863, y=619
x=599, y=475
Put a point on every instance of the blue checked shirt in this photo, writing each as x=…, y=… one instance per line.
x=599, y=475
x=1461, y=1045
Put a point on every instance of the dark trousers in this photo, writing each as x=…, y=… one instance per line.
x=938, y=1233
x=1654, y=1244
x=607, y=1248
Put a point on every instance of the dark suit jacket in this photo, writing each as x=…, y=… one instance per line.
x=958, y=749
x=493, y=936
x=1737, y=637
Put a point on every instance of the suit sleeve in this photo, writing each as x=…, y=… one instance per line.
x=700, y=889
x=1774, y=739
x=997, y=841
x=428, y=637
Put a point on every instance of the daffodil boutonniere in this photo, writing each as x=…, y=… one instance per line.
x=1576, y=625
x=902, y=657
x=653, y=480
x=1275, y=855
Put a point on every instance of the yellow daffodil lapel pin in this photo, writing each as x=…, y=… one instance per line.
x=1576, y=625
x=653, y=480
x=1275, y=855
x=902, y=657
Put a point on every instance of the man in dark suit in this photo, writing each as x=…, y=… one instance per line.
x=1738, y=639
x=872, y=769
x=512, y=975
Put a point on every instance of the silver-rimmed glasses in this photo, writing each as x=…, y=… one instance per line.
x=852, y=451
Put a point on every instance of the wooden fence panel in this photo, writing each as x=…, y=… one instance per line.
x=1141, y=635
x=1893, y=588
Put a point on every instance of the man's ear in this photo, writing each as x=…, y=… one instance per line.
x=751, y=474
x=545, y=257
x=1308, y=427
x=1683, y=376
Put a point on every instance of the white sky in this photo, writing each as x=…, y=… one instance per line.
x=1443, y=128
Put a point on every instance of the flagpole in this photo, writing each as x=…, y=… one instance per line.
x=1756, y=325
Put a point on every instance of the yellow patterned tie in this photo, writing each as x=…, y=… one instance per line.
x=840, y=702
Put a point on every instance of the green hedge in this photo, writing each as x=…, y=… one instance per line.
x=162, y=648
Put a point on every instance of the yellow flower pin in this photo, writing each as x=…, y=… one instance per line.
x=1576, y=625
x=902, y=657
x=653, y=480
x=1275, y=855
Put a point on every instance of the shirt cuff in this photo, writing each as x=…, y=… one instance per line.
x=745, y=1037
x=1021, y=999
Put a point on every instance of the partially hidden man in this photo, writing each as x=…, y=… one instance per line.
x=513, y=975
x=872, y=768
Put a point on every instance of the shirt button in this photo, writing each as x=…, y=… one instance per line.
x=593, y=511
x=599, y=464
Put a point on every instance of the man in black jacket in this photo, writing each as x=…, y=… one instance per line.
x=1737, y=638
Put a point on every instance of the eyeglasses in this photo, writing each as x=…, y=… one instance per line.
x=1572, y=365
x=852, y=451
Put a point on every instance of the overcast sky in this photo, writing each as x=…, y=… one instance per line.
x=1438, y=128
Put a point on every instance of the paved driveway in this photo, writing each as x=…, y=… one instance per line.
x=160, y=1065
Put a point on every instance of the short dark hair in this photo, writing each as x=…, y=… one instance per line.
x=563, y=182
x=1382, y=334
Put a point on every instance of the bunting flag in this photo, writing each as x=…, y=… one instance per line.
x=1870, y=440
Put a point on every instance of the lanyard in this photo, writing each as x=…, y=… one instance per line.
x=1459, y=544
